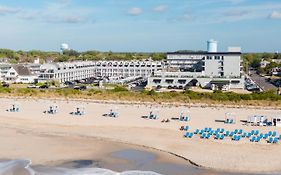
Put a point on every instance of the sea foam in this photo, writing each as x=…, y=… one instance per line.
x=22, y=167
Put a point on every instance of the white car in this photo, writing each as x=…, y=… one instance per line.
x=31, y=86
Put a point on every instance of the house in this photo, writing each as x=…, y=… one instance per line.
x=264, y=63
x=276, y=71
x=20, y=74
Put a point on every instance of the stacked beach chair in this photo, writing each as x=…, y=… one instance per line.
x=78, y=111
x=153, y=114
x=184, y=117
x=113, y=113
x=235, y=135
x=53, y=109
x=15, y=107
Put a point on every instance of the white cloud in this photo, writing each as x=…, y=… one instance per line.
x=8, y=10
x=61, y=11
x=160, y=8
x=135, y=11
x=275, y=15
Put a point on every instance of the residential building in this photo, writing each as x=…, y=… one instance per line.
x=19, y=74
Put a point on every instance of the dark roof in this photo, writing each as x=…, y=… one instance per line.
x=22, y=70
x=204, y=53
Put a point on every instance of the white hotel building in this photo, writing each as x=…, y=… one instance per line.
x=211, y=69
x=67, y=71
x=71, y=71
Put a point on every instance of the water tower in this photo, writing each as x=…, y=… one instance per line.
x=64, y=47
x=212, y=45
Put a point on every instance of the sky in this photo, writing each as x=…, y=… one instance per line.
x=140, y=25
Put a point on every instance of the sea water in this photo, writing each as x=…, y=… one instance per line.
x=23, y=167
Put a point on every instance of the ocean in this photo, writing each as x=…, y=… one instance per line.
x=23, y=167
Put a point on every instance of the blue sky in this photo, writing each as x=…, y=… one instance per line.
x=140, y=25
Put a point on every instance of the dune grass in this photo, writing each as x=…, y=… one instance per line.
x=120, y=93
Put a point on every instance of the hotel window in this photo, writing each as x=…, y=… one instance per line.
x=217, y=57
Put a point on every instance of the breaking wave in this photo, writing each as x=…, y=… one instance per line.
x=23, y=167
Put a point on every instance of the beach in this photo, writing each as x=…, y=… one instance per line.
x=54, y=139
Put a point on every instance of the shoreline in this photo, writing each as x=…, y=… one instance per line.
x=116, y=130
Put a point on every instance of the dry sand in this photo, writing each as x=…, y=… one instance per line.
x=49, y=138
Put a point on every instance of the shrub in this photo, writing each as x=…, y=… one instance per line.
x=119, y=89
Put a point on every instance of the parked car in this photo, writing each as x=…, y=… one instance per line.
x=45, y=86
x=80, y=87
x=4, y=84
x=31, y=86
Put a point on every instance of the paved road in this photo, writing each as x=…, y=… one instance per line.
x=261, y=82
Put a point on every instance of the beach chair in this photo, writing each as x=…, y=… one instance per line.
x=244, y=134
x=249, y=134
x=269, y=133
x=186, y=134
x=252, y=132
x=280, y=137
x=222, y=137
x=190, y=135
x=231, y=134
x=217, y=136
x=274, y=133
x=203, y=135
x=222, y=130
x=226, y=133
x=253, y=139
x=186, y=128
x=208, y=136
x=235, y=131
x=275, y=140
x=270, y=140
x=240, y=131
x=258, y=139
x=257, y=132
x=238, y=138
x=265, y=136
x=196, y=131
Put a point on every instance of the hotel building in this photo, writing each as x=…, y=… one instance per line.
x=210, y=69
x=71, y=71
